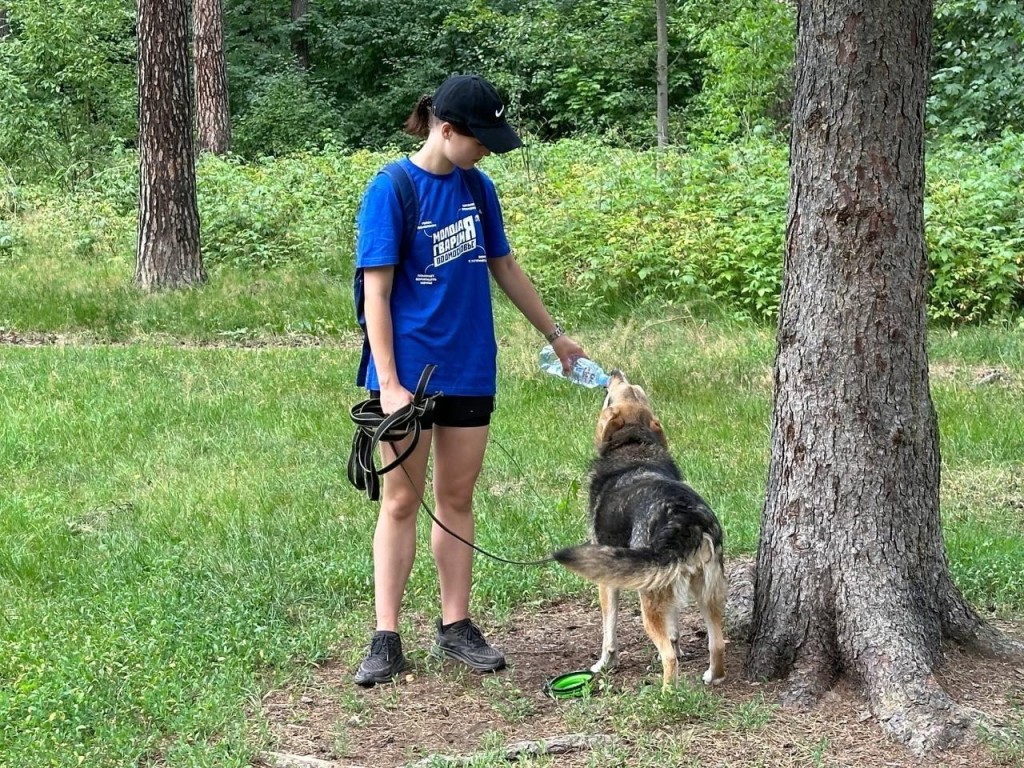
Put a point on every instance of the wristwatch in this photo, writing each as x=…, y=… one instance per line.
x=559, y=331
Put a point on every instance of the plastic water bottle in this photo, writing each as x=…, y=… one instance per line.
x=585, y=372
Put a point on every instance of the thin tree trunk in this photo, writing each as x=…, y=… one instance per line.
x=661, y=14
x=168, y=253
x=5, y=27
x=852, y=575
x=300, y=43
x=212, y=110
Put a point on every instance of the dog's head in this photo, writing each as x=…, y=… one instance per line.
x=626, y=405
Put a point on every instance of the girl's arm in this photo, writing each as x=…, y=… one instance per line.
x=511, y=278
x=377, y=282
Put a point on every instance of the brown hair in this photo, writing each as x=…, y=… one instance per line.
x=420, y=120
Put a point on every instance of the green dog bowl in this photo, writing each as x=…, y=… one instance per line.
x=571, y=685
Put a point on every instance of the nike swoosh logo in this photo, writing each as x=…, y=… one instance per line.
x=498, y=112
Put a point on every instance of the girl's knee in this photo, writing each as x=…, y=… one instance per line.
x=454, y=497
x=454, y=505
x=400, y=510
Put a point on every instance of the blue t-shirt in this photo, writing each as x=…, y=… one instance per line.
x=441, y=295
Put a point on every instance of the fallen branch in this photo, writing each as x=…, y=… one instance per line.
x=283, y=760
x=556, y=745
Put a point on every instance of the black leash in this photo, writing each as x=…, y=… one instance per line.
x=373, y=427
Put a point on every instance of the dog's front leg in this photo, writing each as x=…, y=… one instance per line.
x=609, y=619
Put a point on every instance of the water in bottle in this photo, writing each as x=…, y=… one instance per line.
x=585, y=371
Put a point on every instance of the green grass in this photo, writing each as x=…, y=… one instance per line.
x=99, y=300
x=178, y=533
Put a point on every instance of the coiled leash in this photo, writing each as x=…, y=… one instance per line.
x=373, y=427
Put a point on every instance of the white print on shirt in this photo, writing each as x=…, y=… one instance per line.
x=454, y=240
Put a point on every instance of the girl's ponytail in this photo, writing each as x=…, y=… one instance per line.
x=418, y=122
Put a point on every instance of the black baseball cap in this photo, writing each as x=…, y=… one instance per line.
x=471, y=102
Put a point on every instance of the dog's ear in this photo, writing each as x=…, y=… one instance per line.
x=608, y=424
x=659, y=432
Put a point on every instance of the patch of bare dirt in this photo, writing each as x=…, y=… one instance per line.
x=441, y=709
x=227, y=340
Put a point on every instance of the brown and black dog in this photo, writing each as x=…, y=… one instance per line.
x=650, y=531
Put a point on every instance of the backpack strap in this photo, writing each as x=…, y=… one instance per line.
x=409, y=202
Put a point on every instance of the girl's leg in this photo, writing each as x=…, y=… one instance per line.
x=458, y=458
x=394, y=541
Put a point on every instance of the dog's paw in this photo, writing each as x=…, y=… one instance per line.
x=710, y=679
x=606, y=662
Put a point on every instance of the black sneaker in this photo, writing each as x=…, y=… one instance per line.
x=383, y=662
x=463, y=641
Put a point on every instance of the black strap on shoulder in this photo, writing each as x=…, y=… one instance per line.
x=407, y=200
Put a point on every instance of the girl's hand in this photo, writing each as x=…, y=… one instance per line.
x=568, y=352
x=394, y=399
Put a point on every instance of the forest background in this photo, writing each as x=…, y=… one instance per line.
x=313, y=85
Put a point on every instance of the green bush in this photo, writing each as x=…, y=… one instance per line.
x=747, y=51
x=286, y=113
x=974, y=222
x=599, y=229
x=299, y=208
x=67, y=86
x=977, y=84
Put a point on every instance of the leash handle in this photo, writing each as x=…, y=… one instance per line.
x=373, y=427
x=420, y=406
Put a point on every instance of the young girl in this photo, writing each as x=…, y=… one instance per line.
x=431, y=303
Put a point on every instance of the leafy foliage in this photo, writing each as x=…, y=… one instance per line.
x=569, y=69
x=599, y=229
x=296, y=209
x=747, y=51
x=576, y=68
x=708, y=228
x=974, y=209
x=67, y=84
x=977, y=86
x=369, y=62
x=287, y=112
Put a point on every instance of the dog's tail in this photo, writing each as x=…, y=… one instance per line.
x=640, y=569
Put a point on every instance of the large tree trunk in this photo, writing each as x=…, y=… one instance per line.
x=168, y=253
x=852, y=575
x=213, y=114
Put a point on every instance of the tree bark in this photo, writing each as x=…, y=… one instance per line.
x=661, y=16
x=168, y=254
x=300, y=43
x=852, y=575
x=213, y=114
x=5, y=27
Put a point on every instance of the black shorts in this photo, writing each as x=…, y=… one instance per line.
x=456, y=411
